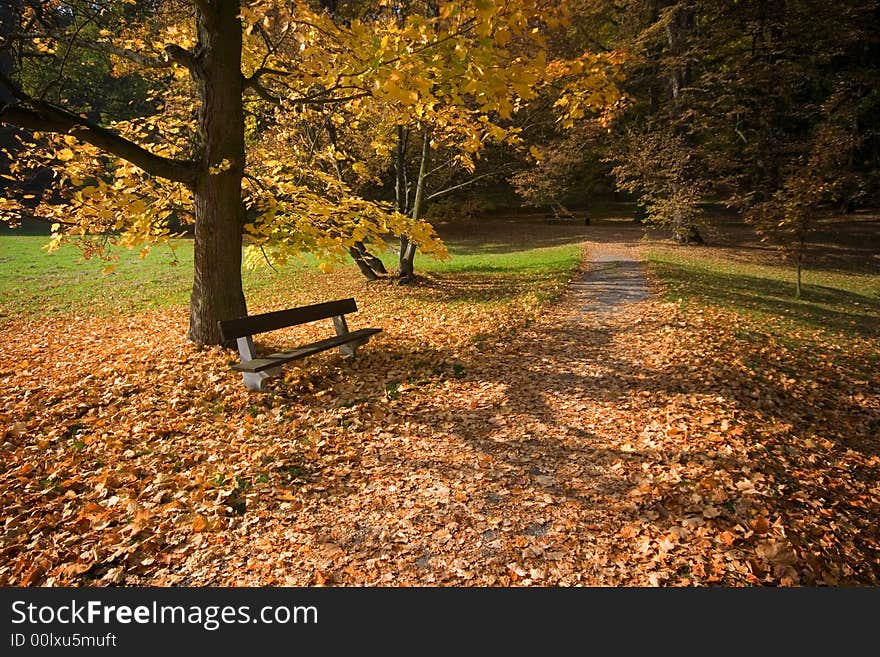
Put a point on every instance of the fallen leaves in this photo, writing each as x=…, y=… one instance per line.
x=494, y=448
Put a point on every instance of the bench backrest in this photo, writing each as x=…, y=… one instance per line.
x=232, y=329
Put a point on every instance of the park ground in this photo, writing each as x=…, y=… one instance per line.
x=500, y=431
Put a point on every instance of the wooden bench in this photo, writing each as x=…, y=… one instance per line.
x=255, y=370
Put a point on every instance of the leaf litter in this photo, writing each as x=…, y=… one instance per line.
x=515, y=443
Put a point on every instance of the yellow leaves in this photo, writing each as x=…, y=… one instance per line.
x=360, y=169
x=64, y=155
x=391, y=89
x=502, y=37
x=217, y=169
x=448, y=9
x=108, y=269
x=383, y=147
x=54, y=242
x=485, y=10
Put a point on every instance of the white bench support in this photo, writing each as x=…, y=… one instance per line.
x=253, y=380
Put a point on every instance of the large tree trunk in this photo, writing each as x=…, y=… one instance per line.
x=217, y=293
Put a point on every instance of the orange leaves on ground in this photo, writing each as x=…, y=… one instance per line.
x=496, y=447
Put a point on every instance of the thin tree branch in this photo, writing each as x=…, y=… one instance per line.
x=106, y=48
x=470, y=181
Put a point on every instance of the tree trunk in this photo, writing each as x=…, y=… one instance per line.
x=677, y=30
x=406, y=274
x=401, y=185
x=377, y=265
x=217, y=292
x=800, y=263
x=685, y=233
x=362, y=264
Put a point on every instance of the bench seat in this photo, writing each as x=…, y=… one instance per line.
x=256, y=369
x=279, y=358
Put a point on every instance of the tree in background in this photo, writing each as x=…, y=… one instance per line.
x=724, y=102
x=817, y=180
x=431, y=116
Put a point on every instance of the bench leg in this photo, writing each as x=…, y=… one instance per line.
x=256, y=380
x=253, y=380
x=341, y=327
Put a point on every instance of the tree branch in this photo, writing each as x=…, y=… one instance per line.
x=182, y=56
x=318, y=98
x=39, y=115
x=470, y=181
x=106, y=48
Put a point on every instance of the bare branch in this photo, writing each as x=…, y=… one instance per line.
x=255, y=84
x=322, y=97
x=470, y=181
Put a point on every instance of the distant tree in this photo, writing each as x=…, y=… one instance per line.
x=724, y=101
x=811, y=187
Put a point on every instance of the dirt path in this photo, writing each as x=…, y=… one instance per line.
x=521, y=472
x=613, y=279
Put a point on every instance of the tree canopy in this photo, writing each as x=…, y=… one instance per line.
x=226, y=93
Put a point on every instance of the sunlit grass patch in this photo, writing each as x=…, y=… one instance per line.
x=35, y=282
x=830, y=301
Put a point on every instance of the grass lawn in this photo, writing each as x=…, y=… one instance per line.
x=33, y=281
x=832, y=329
x=832, y=300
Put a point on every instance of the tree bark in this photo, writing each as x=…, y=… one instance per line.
x=677, y=30
x=377, y=265
x=217, y=292
x=362, y=264
x=406, y=274
x=401, y=185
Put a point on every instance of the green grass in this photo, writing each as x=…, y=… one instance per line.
x=830, y=301
x=469, y=257
x=35, y=282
